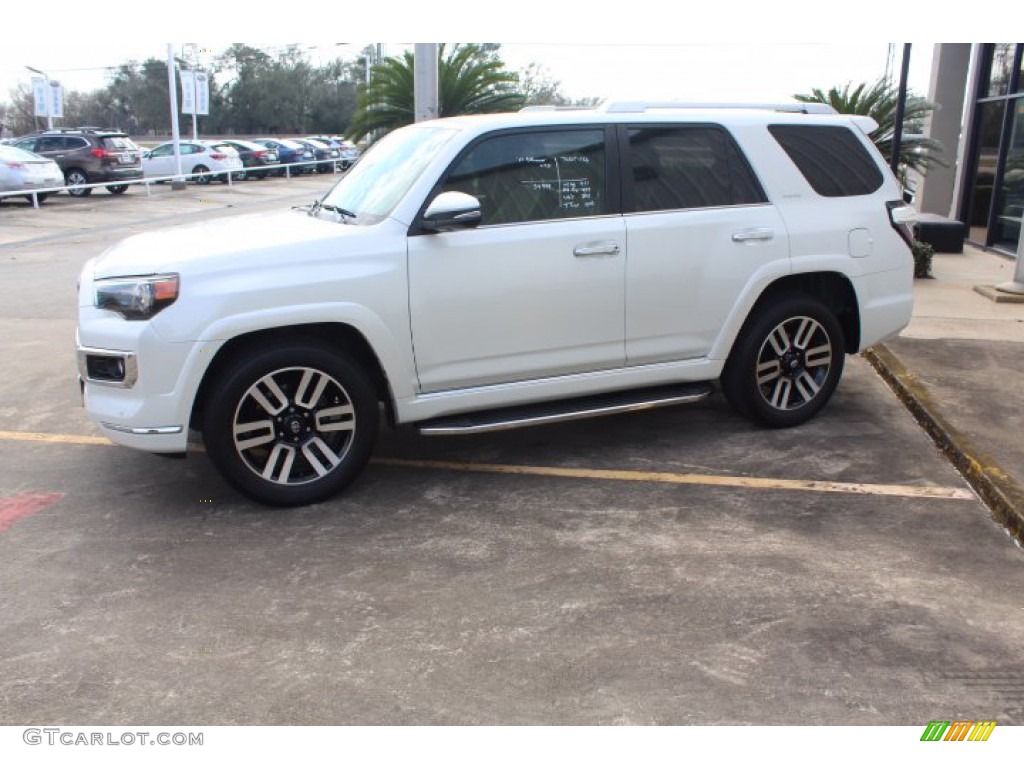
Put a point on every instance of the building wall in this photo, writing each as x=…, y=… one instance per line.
x=947, y=90
x=980, y=90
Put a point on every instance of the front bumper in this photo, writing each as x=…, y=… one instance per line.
x=137, y=387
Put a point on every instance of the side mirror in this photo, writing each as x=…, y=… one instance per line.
x=450, y=211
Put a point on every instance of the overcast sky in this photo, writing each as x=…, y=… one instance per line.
x=741, y=50
x=690, y=71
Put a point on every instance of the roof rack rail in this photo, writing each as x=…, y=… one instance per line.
x=554, y=108
x=82, y=129
x=794, y=106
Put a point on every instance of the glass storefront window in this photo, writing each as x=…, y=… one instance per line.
x=1002, y=69
x=990, y=124
x=1011, y=199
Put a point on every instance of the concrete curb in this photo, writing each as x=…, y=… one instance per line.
x=1002, y=494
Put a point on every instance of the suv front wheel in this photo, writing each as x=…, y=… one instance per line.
x=291, y=425
x=786, y=363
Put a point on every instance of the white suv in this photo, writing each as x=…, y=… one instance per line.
x=483, y=272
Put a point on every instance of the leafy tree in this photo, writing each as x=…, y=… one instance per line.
x=539, y=88
x=20, y=112
x=472, y=79
x=284, y=93
x=879, y=101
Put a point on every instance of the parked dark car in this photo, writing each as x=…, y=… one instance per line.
x=323, y=152
x=288, y=152
x=88, y=156
x=255, y=157
x=349, y=152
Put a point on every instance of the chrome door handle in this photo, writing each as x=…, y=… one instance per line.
x=752, y=235
x=596, y=250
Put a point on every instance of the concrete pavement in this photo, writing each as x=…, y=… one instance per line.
x=959, y=368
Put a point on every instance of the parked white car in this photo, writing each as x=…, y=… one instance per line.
x=26, y=171
x=483, y=272
x=210, y=159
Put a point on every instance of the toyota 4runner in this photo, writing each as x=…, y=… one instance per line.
x=483, y=272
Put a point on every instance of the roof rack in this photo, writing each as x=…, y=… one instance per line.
x=643, y=106
x=83, y=129
x=554, y=108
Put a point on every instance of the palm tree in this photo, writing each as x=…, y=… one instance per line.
x=878, y=101
x=471, y=80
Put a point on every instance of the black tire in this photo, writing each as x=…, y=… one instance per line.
x=41, y=197
x=786, y=363
x=117, y=189
x=73, y=177
x=305, y=441
x=201, y=179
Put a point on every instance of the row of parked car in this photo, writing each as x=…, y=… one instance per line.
x=75, y=157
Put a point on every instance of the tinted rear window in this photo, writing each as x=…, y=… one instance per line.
x=117, y=142
x=678, y=167
x=831, y=158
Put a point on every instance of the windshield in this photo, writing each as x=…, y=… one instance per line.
x=385, y=172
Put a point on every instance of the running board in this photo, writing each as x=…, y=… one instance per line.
x=566, y=410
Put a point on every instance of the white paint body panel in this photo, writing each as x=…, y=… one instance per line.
x=501, y=315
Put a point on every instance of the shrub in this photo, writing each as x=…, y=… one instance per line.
x=923, y=253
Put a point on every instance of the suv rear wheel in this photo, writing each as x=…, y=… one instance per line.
x=117, y=189
x=75, y=178
x=291, y=425
x=787, y=362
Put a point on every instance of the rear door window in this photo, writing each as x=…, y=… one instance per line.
x=831, y=158
x=676, y=167
x=51, y=144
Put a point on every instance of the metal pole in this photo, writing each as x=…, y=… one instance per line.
x=178, y=183
x=425, y=81
x=1017, y=284
x=901, y=108
x=193, y=61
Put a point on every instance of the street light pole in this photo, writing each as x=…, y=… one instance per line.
x=47, y=95
x=193, y=59
x=901, y=105
x=178, y=183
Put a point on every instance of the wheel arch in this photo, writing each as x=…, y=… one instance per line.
x=833, y=289
x=338, y=336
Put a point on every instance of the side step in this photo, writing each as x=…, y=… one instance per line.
x=566, y=410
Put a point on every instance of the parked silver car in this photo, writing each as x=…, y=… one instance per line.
x=21, y=170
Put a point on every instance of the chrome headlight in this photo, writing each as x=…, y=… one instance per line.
x=137, y=298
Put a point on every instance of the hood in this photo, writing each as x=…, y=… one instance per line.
x=174, y=249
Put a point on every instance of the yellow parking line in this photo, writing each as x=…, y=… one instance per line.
x=755, y=483
x=46, y=437
x=871, y=489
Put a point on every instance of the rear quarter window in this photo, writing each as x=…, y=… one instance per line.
x=831, y=158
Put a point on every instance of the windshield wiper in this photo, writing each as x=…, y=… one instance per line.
x=318, y=206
